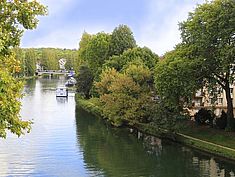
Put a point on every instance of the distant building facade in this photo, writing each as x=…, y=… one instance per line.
x=203, y=98
x=39, y=67
x=62, y=63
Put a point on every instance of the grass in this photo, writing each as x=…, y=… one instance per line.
x=206, y=133
x=91, y=105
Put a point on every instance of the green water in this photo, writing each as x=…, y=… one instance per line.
x=117, y=152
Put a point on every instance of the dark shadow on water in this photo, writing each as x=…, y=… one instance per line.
x=117, y=152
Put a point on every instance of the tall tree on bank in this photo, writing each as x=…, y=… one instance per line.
x=176, y=79
x=97, y=51
x=84, y=81
x=121, y=39
x=209, y=36
x=83, y=47
x=15, y=16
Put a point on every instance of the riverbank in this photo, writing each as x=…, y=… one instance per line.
x=205, y=139
x=26, y=78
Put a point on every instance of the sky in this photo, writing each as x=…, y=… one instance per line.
x=154, y=23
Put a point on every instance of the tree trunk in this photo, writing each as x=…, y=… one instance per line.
x=230, y=115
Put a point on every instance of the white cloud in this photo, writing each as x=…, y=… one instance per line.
x=66, y=37
x=160, y=30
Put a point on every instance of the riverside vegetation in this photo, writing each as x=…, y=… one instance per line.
x=130, y=85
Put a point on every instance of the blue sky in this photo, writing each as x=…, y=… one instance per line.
x=154, y=23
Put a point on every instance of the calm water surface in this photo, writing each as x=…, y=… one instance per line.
x=66, y=141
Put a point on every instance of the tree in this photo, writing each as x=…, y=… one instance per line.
x=49, y=59
x=124, y=99
x=139, y=72
x=97, y=51
x=121, y=39
x=149, y=58
x=93, y=50
x=15, y=16
x=30, y=62
x=209, y=35
x=19, y=56
x=72, y=59
x=176, y=79
x=83, y=46
x=84, y=80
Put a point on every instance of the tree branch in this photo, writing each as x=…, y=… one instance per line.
x=220, y=82
x=220, y=77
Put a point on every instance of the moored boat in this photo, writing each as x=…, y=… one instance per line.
x=61, y=92
x=71, y=82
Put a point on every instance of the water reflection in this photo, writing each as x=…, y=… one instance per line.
x=64, y=144
x=115, y=152
x=29, y=86
x=62, y=100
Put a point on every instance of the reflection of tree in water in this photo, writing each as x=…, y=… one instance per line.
x=110, y=149
x=115, y=152
x=29, y=86
x=153, y=145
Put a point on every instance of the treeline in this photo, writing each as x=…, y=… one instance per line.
x=46, y=58
x=130, y=84
x=118, y=76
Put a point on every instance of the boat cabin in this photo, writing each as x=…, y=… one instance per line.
x=61, y=92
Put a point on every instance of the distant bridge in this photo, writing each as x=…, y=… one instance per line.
x=53, y=72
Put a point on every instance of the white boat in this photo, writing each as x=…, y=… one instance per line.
x=71, y=82
x=61, y=92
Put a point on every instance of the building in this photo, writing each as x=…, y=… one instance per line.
x=62, y=63
x=216, y=100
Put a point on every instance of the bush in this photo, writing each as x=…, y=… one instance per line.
x=222, y=121
x=204, y=117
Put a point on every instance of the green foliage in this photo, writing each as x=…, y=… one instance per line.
x=204, y=116
x=92, y=105
x=94, y=50
x=176, y=79
x=19, y=56
x=121, y=39
x=83, y=46
x=149, y=58
x=30, y=62
x=146, y=55
x=122, y=98
x=84, y=80
x=10, y=93
x=17, y=16
x=140, y=73
x=106, y=78
x=72, y=59
x=165, y=118
x=14, y=18
x=208, y=35
x=49, y=60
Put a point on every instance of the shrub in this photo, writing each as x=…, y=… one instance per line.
x=204, y=116
x=222, y=121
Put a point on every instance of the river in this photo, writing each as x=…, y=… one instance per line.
x=66, y=141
